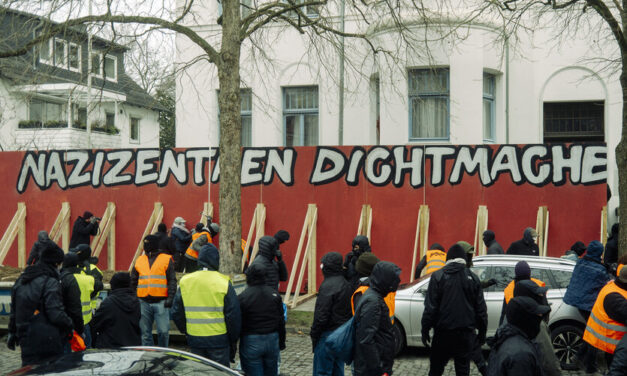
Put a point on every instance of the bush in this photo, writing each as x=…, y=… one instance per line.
x=56, y=124
x=98, y=126
x=29, y=124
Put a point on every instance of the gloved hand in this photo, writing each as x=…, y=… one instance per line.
x=282, y=236
x=491, y=282
x=426, y=339
x=279, y=255
x=168, y=302
x=481, y=337
x=11, y=341
x=93, y=220
x=314, y=342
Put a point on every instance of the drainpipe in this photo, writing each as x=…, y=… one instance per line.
x=89, y=81
x=507, y=89
x=341, y=87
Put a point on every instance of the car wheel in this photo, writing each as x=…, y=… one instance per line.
x=399, y=337
x=566, y=340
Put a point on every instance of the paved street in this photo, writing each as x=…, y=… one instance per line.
x=297, y=359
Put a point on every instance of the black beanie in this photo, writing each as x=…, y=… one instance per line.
x=151, y=243
x=199, y=227
x=456, y=251
x=87, y=214
x=365, y=263
x=82, y=251
x=70, y=260
x=52, y=255
x=120, y=280
x=282, y=236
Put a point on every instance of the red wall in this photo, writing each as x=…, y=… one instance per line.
x=574, y=208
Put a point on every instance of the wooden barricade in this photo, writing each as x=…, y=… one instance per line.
x=151, y=227
x=257, y=229
x=106, y=233
x=542, y=228
x=365, y=221
x=207, y=211
x=421, y=241
x=17, y=228
x=308, y=261
x=603, y=236
x=480, y=226
x=61, y=227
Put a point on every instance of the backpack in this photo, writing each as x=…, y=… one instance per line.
x=341, y=342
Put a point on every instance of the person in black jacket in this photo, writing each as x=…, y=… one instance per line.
x=274, y=270
x=38, y=322
x=454, y=308
x=181, y=239
x=164, y=239
x=489, y=239
x=71, y=292
x=360, y=245
x=116, y=322
x=611, y=247
x=42, y=242
x=333, y=308
x=374, y=336
x=527, y=245
x=84, y=227
x=263, y=326
x=513, y=352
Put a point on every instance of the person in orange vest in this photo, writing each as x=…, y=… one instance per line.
x=364, y=265
x=607, y=323
x=200, y=237
x=154, y=279
x=522, y=272
x=433, y=260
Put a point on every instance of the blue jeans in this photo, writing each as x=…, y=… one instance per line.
x=217, y=355
x=157, y=313
x=259, y=354
x=325, y=363
x=87, y=336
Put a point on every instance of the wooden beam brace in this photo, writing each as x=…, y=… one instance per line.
x=299, y=248
x=155, y=217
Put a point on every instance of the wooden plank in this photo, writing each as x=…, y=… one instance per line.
x=603, y=236
x=481, y=226
x=299, y=248
x=251, y=230
x=369, y=229
x=111, y=240
x=149, y=226
x=546, y=232
x=361, y=221
x=21, y=236
x=65, y=228
x=207, y=210
x=424, y=231
x=413, y=259
x=261, y=224
x=304, y=298
x=313, y=257
x=108, y=219
x=304, y=262
x=12, y=231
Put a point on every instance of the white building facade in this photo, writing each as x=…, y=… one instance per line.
x=470, y=86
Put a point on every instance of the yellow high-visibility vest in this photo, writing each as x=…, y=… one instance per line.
x=203, y=295
x=86, y=285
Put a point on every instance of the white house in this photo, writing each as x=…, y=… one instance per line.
x=470, y=86
x=45, y=95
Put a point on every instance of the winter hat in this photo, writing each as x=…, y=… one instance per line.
x=162, y=228
x=385, y=277
x=282, y=236
x=214, y=229
x=526, y=314
x=199, y=227
x=467, y=247
x=209, y=257
x=42, y=236
x=579, y=248
x=331, y=262
x=87, y=214
x=52, y=255
x=255, y=275
x=151, y=243
x=532, y=231
x=622, y=275
x=365, y=263
x=361, y=243
x=268, y=246
x=456, y=251
x=70, y=260
x=82, y=251
x=522, y=270
x=488, y=236
x=437, y=246
x=120, y=280
x=179, y=221
x=595, y=249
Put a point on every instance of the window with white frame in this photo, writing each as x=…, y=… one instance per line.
x=134, y=129
x=45, y=52
x=111, y=68
x=429, y=103
x=300, y=116
x=44, y=111
x=60, y=53
x=74, y=57
x=247, y=117
x=96, y=64
x=489, y=112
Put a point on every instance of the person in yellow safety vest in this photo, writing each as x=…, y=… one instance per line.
x=71, y=292
x=433, y=260
x=86, y=264
x=154, y=279
x=201, y=236
x=607, y=323
x=207, y=310
x=364, y=265
x=522, y=271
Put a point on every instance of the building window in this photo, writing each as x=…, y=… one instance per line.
x=45, y=112
x=247, y=117
x=110, y=68
x=45, y=52
x=300, y=116
x=134, y=134
x=74, y=57
x=109, y=119
x=489, y=112
x=573, y=121
x=429, y=104
x=96, y=64
x=60, y=53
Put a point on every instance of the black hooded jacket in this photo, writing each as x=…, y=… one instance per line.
x=43, y=242
x=274, y=270
x=38, y=318
x=374, y=337
x=611, y=247
x=360, y=245
x=82, y=231
x=333, y=304
x=525, y=246
x=513, y=354
x=72, y=297
x=455, y=300
x=116, y=322
x=493, y=248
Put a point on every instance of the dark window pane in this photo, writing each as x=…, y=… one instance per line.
x=292, y=130
x=503, y=275
x=574, y=121
x=562, y=278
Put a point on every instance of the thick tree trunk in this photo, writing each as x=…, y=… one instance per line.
x=621, y=163
x=230, y=144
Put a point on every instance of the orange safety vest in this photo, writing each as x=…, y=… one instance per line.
x=601, y=331
x=192, y=253
x=509, y=290
x=152, y=279
x=436, y=260
x=620, y=266
x=389, y=300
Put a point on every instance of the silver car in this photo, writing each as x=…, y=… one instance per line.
x=566, y=324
